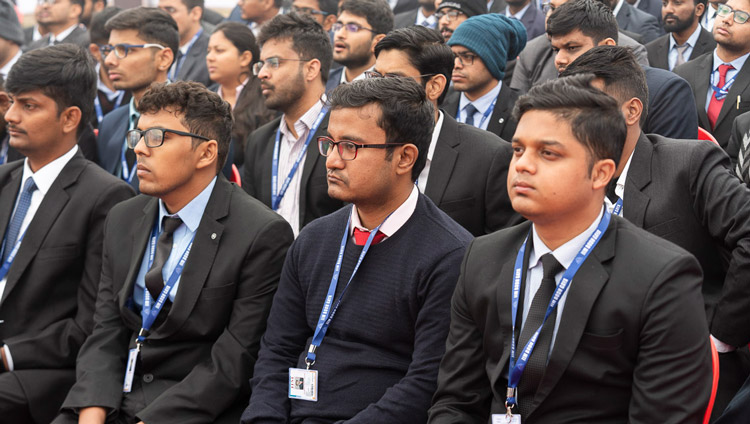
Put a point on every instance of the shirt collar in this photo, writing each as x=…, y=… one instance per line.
x=46, y=175
x=395, y=221
x=358, y=77
x=736, y=63
x=5, y=69
x=61, y=36
x=237, y=90
x=690, y=41
x=186, y=48
x=133, y=114
x=617, y=8
x=192, y=213
x=435, y=136
x=483, y=102
x=518, y=15
x=303, y=124
x=566, y=253
x=421, y=17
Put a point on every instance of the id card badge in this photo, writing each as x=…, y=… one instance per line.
x=303, y=384
x=504, y=419
x=127, y=386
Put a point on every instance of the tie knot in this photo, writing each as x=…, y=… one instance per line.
x=171, y=223
x=470, y=109
x=681, y=47
x=29, y=186
x=724, y=68
x=550, y=266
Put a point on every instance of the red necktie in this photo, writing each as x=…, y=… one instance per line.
x=360, y=237
x=714, y=106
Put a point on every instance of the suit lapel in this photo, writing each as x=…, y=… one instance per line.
x=501, y=114
x=443, y=160
x=311, y=159
x=8, y=195
x=639, y=176
x=662, y=54
x=701, y=80
x=701, y=46
x=450, y=104
x=741, y=82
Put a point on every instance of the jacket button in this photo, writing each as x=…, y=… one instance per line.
x=147, y=378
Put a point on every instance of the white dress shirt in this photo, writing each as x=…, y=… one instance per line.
x=620, y=186
x=394, y=222
x=708, y=18
x=736, y=63
x=672, y=55
x=482, y=104
x=61, y=36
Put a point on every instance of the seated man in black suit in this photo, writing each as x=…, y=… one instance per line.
x=684, y=192
x=61, y=19
x=52, y=210
x=375, y=359
x=156, y=39
x=581, y=315
x=466, y=167
x=424, y=15
x=482, y=45
x=190, y=59
x=630, y=18
x=294, y=60
x=685, y=39
x=189, y=272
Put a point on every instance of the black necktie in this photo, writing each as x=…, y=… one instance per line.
x=470, y=111
x=611, y=193
x=154, y=280
x=537, y=362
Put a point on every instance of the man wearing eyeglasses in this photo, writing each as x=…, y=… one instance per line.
x=282, y=166
x=719, y=79
x=366, y=342
x=190, y=62
x=323, y=11
x=359, y=27
x=450, y=14
x=190, y=268
x=141, y=49
x=61, y=18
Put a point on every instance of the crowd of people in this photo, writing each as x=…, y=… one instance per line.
x=384, y=211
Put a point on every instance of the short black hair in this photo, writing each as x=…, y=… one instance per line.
x=64, y=72
x=97, y=33
x=377, y=12
x=153, y=25
x=618, y=68
x=593, y=18
x=595, y=118
x=426, y=50
x=406, y=115
x=329, y=6
x=202, y=112
x=308, y=38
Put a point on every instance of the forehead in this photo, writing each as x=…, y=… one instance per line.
x=558, y=3
x=460, y=49
x=36, y=96
x=163, y=119
x=575, y=36
x=541, y=127
x=312, y=4
x=357, y=124
x=125, y=36
x=743, y=5
x=349, y=18
x=278, y=47
x=395, y=62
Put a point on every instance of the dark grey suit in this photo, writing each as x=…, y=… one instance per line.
x=533, y=20
x=658, y=50
x=78, y=36
x=501, y=121
x=632, y=334
x=652, y=7
x=194, y=66
x=631, y=19
x=405, y=19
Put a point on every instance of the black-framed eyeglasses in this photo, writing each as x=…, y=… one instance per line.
x=450, y=16
x=273, y=63
x=348, y=149
x=308, y=11
x=739, y=16
x=351, y=27
x=376, y=74
x=121, y=50
x=154, y=137
x=466, y=58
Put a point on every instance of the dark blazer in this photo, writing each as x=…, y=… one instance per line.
x=501, y=122
x=697, y=73
x=533, y=20
x=658, y=50
x=671, y=109
x=403, y=20
x=78, y=36
x=468, y=175
x=631, y=334
x=47, y=306
x=195, y=365
x=314, y=201
x=740, y=131
x=630, y=18
x=28, y=35
x=498, y=6
x=536, y=63
x=653, y=8
x=334, y=79
x=194, y=66
x=110, y=141
x=404, y=6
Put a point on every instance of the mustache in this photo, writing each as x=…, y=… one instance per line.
x=15, y=128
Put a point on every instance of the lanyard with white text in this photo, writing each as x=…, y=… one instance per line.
x=127, y=175
x=276, y=193
x=98, y=106
x=487, y=113
x=327, y=313
x=617, y=209
x=516, y=368
x=12, y=255
x=721, y=93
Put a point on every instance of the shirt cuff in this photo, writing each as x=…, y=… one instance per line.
x=8, y=357
x=721, y=347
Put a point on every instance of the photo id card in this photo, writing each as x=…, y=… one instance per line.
x=503, y=419
x=303, y=384
x=130, y=371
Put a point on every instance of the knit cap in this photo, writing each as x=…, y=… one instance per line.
x=10, y=29
x=495, y=38
x=468, y=7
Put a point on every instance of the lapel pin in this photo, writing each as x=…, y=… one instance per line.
x=501, y=120
x=213, y=236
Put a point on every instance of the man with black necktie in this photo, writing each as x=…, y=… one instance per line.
x=626, y=327
x=190, y=61
x=52, y=211
x=189, y=272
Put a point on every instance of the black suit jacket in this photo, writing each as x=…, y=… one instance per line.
x=653, y=8
x=194, y=67
x=698, y=74
x=195, y=366
x=631, y=336
x=111, y=140
x=47, y=306
x=314, y=201
x=533, y=20
x=501, y=122
x=468, y=176
x=671, y=110
x=658, y=50
x=78, y=36
x=632, y=19
x=405, y=19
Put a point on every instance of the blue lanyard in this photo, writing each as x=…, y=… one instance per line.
x=721, y=93
x=4, y=152
x=276, y=194
x=517, y=367
x=127, y=175
x=324, y=321
x=485, y=115
x=181, y=60
x=617, y=209
x=11, y=256
x=98, y=106
x=150, y=314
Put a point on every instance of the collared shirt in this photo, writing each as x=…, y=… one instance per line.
x=431, y=21
x=394, y=222
x=617, y=8
x=422, y=179
x=237, y=91
x=736, y=63
x=290, y=148
x=708, y=18
x=184, y=49
x=358, y=77
x=565, y=255
x=44, y=177
x=6, y=68
x=518, y=15
x=620, y=186
x=255, y=27
x=672, y=56
x=36, y=35
x=392, y=4
x=482, y=104
x=61, y=36
x=191, y=216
